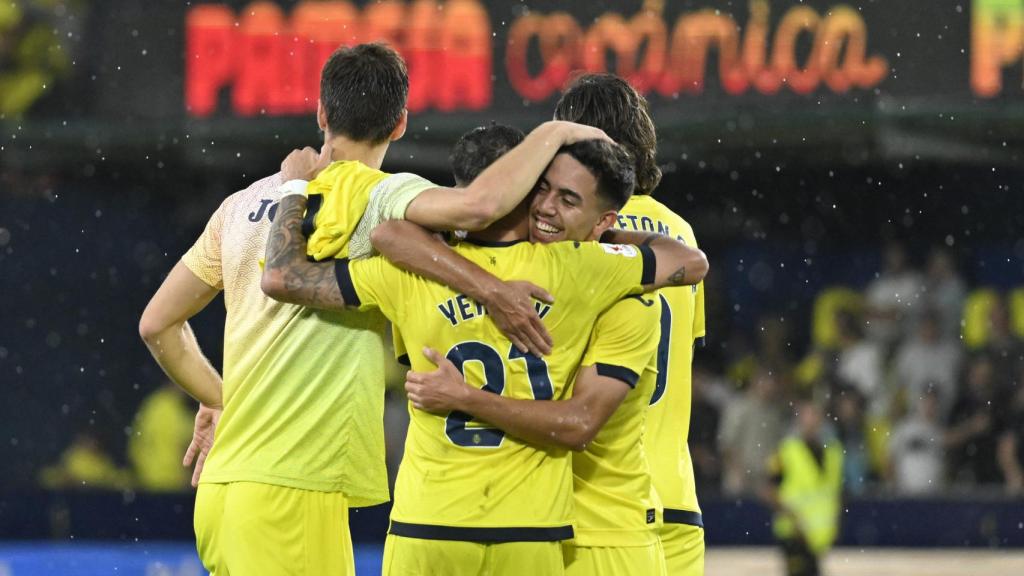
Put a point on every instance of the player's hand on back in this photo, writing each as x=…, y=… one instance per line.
x=305, y=164
x=202, y=440
x=514, y=314
x=440, y=391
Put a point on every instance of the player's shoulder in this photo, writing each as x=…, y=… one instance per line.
x=638, y=309
x=579, y=251
x=244, y=200
x=646, y=205
x=349, y=175
x=264, y=187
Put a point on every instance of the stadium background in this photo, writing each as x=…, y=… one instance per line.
x=123, y=124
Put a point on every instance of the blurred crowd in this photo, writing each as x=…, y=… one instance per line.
x=920, y=377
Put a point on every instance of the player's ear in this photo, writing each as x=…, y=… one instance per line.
x=403, y=123
x=606, y=221
x=321, y=116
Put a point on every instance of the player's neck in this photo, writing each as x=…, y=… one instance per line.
x=345, y=149
x=510, y=229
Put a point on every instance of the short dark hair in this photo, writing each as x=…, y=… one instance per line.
x=608, y=102
x=363, y=90
x=479, y=148
x=611, y=165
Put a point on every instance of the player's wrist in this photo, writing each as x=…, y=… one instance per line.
x=293, y=187
x=486, y=289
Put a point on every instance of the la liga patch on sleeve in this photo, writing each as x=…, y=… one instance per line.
x=627, y=250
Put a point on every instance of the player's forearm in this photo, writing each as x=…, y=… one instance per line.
x=556, y=424
x=412, y=248
x=288, y=276
x=677, y=263
x=506, y=182
x=177, y=352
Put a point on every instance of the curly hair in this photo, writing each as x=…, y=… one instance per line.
x=608, y=102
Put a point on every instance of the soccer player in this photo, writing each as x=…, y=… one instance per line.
x=300, y=438
x=616, y=510
x=608, y=102
x=470, y=500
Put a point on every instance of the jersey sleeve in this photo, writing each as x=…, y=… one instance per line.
x=624, y=341
x=699, y=330
x=388, y=201
x=371, y=283
x=204, y=257
x=609, y=271
x=336, y=201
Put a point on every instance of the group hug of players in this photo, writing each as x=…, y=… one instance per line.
x=550, y=333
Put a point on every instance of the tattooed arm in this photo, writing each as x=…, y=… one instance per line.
x=677, y=263
x=288, y=275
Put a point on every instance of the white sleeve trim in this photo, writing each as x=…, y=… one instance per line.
x=388, y=201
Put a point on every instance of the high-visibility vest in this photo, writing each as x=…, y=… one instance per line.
x=811, y=491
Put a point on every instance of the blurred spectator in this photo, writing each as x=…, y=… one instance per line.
x=917, y=449
x=85, y=465
x=1004, y=350
x=160, y=434
x=751, y=429
x=1010, y=450
x=892, y=296
x=705, y=416
x=770, y=347
x=860, y=361
x=929, y=360
x=805, y=491
x=850, y=427
x=774, y=345
x=944, y=292
x=972, y=437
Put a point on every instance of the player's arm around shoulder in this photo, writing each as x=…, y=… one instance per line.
x=510, y=304
x=288, y=275
x=500, y=187
x=675, y=263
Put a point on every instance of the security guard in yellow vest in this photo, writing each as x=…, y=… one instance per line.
x=805, y=491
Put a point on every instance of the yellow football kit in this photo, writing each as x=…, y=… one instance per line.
x=303, y=388
x=461, y=480
x=617, y=510
x=668, y=421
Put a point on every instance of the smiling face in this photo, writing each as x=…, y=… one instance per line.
x=566, y=204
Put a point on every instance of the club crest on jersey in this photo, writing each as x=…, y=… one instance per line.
x=620, y=249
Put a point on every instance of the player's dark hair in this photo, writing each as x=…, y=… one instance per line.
x=479, y=148
x=363, y=90
x=610, y=164
x=608, y=102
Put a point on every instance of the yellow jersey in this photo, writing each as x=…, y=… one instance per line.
x=303, y=388
x=347, y=200
x=682, y=324
x=615, y=501
x=461, y=479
